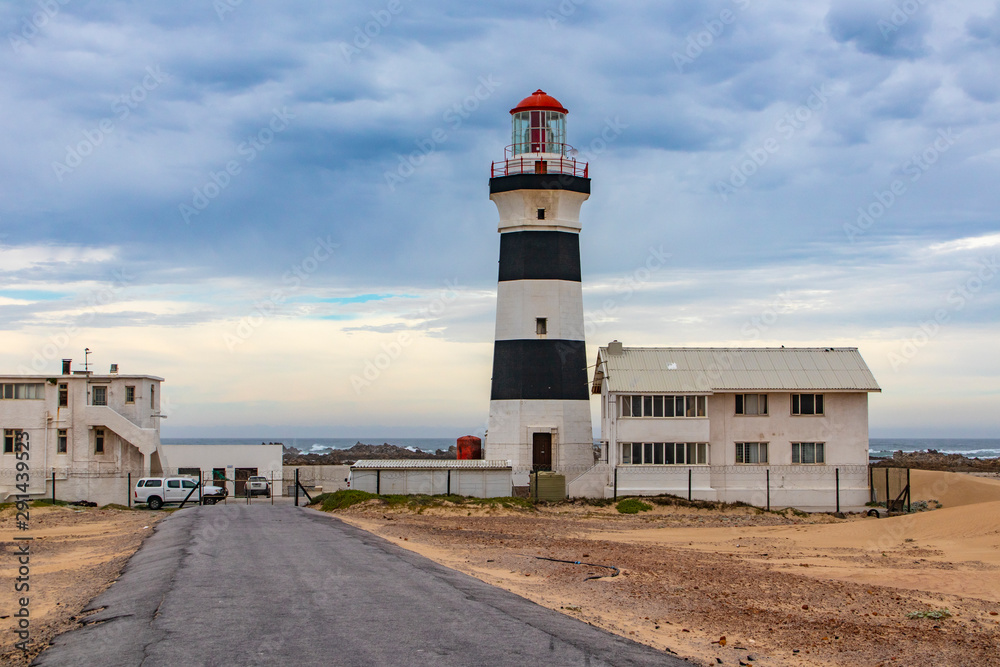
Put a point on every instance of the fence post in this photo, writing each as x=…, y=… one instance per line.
x=296, y=487
x=53, y=486
x=908, y=508
x=689, y=484
x=616, y=483
x=888, y=502
x=837, y=477
x=768, y=478
x=449, y=482
x=128, y=491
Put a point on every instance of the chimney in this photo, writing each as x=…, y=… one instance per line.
x=614, y=349
x=66, y=366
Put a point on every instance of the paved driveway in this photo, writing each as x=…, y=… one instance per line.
x=269, y=585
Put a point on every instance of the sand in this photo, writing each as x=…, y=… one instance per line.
x=784, y=590
x=778, y=588
x=75, y=554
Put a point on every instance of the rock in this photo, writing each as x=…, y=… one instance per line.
x=295, y=457
x=935, y=460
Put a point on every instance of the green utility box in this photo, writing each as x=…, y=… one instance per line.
x=548, y=486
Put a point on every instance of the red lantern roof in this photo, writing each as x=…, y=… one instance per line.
x=539, y=101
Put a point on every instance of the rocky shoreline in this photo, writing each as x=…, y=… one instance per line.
x=292, y=456
x=932, y=459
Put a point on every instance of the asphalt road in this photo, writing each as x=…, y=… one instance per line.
x=269, y=585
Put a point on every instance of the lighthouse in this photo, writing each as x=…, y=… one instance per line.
x=539, y=398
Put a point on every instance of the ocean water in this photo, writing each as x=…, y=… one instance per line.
x=983, y=448
x=321, y=445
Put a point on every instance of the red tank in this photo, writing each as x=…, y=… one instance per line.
x=470, y=448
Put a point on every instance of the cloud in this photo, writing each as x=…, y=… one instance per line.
x=881, y=28
x=419, y=258
x=968, y=243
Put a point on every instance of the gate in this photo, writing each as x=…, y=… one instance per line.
x=890, y=486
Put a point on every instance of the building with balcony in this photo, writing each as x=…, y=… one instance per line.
x=778, y=427
x=87, y=429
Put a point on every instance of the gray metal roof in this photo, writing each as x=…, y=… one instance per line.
x=716, y=369
x=426, y=464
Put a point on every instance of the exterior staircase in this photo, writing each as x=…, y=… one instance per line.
x=146, y=440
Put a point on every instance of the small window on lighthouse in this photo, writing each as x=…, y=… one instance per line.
x=541, y=326
x=541, y=214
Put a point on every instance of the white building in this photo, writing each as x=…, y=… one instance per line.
x=539, y=404
x=785, y=427
x=228, y=465
x=81, y=426
x=92, y=432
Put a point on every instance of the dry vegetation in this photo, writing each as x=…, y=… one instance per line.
x=737, y=584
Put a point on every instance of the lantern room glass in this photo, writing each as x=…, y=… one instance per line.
x=539, y=132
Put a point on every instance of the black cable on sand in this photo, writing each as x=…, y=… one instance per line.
x=578, y=562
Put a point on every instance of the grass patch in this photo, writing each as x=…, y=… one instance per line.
x=936, y=614
x=342, y=499
x=116, y=506
x=346, y=497
x=632, y=506
x=678, y=501
x=47, y=502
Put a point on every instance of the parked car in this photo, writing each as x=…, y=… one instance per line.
x=159, y=491
x=258, y=486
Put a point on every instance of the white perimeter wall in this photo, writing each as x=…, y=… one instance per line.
x=474, y=483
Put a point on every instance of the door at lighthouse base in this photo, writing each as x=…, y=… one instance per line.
x=541, y=451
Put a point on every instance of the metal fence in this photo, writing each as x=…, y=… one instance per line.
x=891, y=487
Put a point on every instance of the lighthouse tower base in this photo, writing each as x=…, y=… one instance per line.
x=547, y=434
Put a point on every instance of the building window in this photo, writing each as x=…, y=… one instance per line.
x=62, y=442
x=751, y=452
x=541, y=326
x=807, y=404
x=98, y=440
x=664, y=406
x=751, y=404
x=152, y=397
x=22, y=390
x=98, y=395
x=665, y=453
x=63, y=395
x=10, y=437
x=541, y=214
x=129, y=393
x=808, y=452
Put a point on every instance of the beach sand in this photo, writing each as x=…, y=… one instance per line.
x=781, y=589
x=74, y=555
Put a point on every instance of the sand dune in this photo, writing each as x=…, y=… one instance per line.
x=952, y=550
x=953, y=489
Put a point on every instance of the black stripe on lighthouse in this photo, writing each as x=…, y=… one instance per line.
x=540, y=369
x=542, y=255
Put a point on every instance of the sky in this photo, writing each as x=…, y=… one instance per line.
x=283, y=208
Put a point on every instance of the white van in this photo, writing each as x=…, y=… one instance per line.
x=159, y=491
